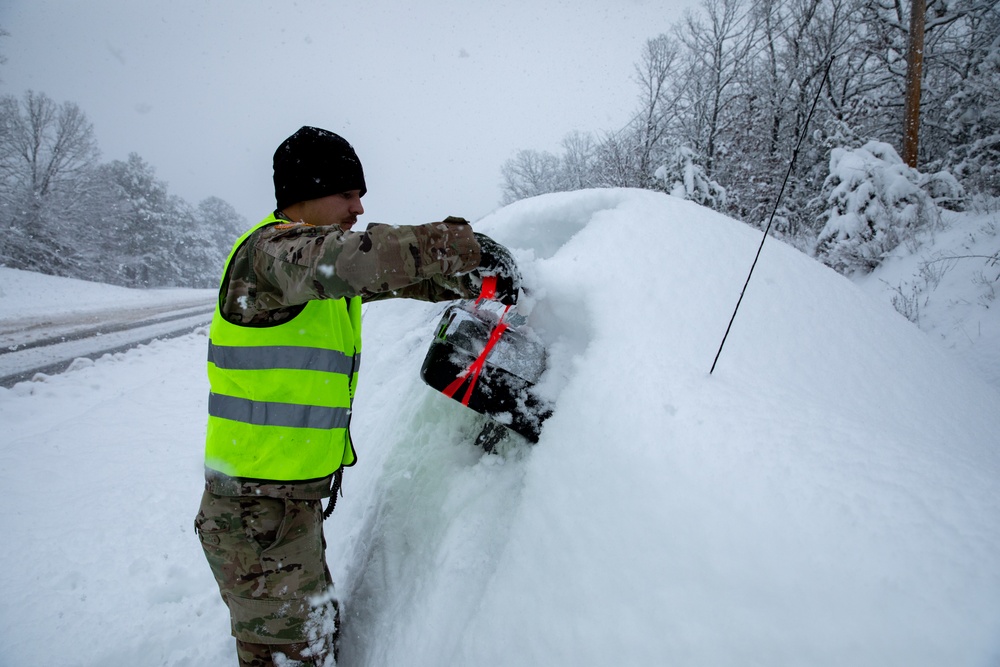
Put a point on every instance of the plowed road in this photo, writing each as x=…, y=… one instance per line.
x=50, y=344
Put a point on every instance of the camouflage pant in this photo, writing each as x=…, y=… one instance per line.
x=268, y=557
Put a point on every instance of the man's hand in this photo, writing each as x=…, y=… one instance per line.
x=497, y=261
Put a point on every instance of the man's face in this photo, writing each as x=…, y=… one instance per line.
x=340, y=209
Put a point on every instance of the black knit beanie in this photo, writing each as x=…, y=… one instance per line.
x=314, y=163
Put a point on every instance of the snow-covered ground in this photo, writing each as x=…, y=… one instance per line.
x=829, y=496
x=28, y=299
x=947, y=280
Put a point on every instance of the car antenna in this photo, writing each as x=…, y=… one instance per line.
x=788, y=173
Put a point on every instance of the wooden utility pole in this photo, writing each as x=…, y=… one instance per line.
x=914, y=73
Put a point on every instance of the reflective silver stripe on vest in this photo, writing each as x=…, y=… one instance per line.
x=277, y=414
x=282, y=356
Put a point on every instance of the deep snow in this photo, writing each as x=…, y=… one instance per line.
x=949, y=286
x=829, y=496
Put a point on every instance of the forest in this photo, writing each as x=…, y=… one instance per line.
x=843, y=127
x=65, y=212
x=723, y=100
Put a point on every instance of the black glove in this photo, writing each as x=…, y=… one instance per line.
x=496, y=260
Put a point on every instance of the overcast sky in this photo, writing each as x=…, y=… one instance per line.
x=434, y=95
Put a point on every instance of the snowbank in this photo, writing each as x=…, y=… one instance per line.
x=25, y=295
x=828, y=496
x=950, y=287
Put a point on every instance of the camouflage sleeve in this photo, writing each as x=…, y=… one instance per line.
x=283, y=266
x=436, y=288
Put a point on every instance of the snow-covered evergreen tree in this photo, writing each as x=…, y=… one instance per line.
x=216, y=226
x=874, y=202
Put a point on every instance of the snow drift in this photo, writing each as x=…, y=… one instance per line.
x=829, y=496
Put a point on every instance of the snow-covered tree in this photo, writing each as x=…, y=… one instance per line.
x=47, y=156
x=973, y=119
x=683, y=177
x=64, y=213
x=718, y=40
x=44, y=146
x=146, y=225
x=530, y=173
x=735, y=82
x=216, y=227
x=874, y=202
x=577, y=161
x=657, y=106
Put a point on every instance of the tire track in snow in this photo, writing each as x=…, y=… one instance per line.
x=54, y=352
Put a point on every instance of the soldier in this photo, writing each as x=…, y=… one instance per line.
x=283, y=360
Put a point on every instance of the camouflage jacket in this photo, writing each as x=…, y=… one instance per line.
x=281, y=267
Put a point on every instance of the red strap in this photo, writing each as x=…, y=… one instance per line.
x=477, y=366
x=488, y=290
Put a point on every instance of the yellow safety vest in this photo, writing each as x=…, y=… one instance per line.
x=280, y=401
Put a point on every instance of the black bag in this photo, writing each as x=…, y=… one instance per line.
x=499, y=383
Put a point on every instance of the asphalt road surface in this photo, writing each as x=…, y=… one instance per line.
x=50, y=344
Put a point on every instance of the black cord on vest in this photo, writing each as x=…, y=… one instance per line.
x=335, y=489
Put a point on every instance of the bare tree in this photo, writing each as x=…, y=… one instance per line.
x=530, y=173
x=617, y=160
x=64, y=213
x=652, y=124
x=579, y=155
x=719, y=44
x=43, y=144
x=3, y=58
x=47, y=156
x=733, y=83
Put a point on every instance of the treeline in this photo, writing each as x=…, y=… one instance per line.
x=65, y=212
x=723, y=96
